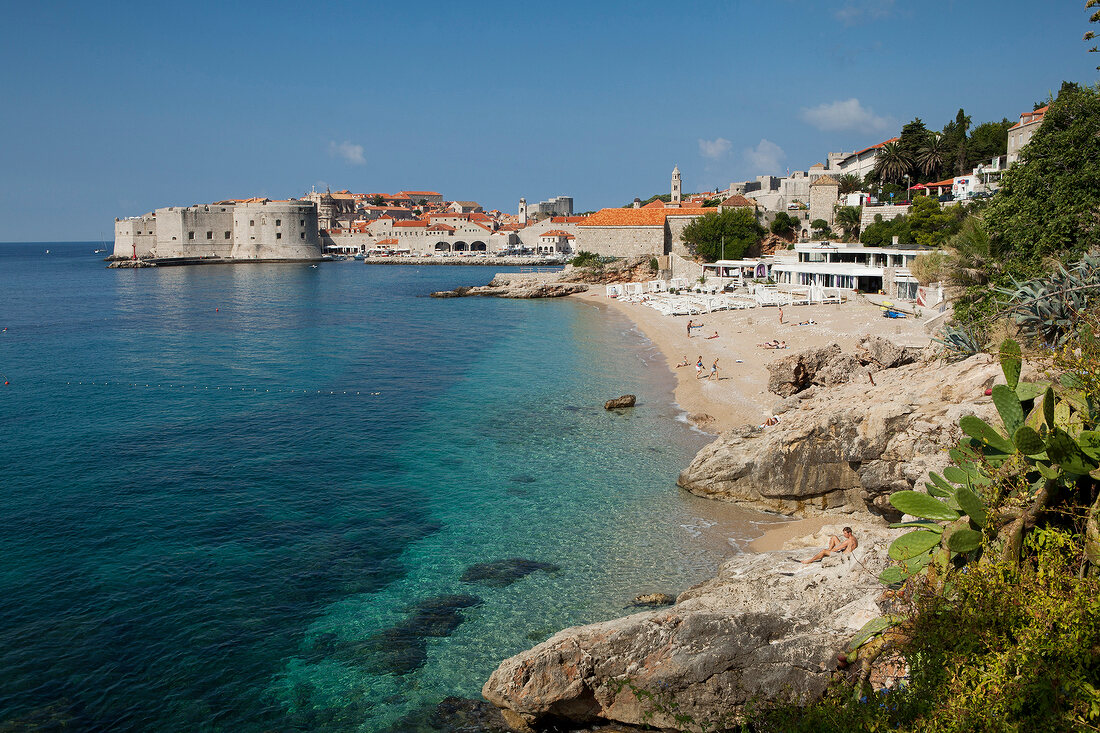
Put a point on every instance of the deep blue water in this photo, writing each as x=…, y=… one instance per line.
x=244, y=498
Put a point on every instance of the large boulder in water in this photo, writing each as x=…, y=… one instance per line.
x=627, y=400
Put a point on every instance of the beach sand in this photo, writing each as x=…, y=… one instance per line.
x=740, y=395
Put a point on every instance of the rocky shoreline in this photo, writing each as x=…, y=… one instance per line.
x=768, y=628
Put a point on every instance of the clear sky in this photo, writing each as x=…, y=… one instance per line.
x=113, y=109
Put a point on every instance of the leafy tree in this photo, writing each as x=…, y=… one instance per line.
x=784, y=224
x=956, y=143
x=914, y=136
x=733, y=231
x=849, y=183
x=1049, y=201
x=819, y=225
x=987, y=141
x=929, y=224
x=847, y=218
x=377, y=200
x=881, y=233
x=892, y=162
x=711, y=202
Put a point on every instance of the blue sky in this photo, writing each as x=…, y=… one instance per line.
x=113, y=109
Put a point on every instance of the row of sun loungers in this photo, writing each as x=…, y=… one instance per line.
x=691, y=304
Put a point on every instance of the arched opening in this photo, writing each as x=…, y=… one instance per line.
x=442, y=247
x=460, y=247
x=477, y=247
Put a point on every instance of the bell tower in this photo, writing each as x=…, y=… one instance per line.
x=523, y=212
x=676, y=190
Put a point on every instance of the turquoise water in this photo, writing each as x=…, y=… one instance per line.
x=245, y=498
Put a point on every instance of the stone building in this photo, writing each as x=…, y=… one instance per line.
x=824, y=193
x=1020, y=134
x=631, y=232
x=251, y=229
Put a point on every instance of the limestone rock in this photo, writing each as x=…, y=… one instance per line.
x=515, y=289
x=850, y=446
x=653, y=599
x=627, y=400
x=767, y=628
x=795, y=373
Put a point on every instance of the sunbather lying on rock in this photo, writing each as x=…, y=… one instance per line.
x=848, y=544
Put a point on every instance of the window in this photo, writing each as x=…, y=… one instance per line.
x=190, y=235
x=301, y=222
x=210, y=235
x=278, y=222
x=278, y=235
x=251, y=222
x=227, y=235
x=301, y=235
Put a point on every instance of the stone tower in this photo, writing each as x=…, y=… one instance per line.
x=523, y=212
x=676, y=191
x=326, y=211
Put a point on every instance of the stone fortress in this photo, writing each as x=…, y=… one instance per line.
x=236, y=230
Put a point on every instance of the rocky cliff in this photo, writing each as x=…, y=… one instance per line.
x=845, y=447
x=768, y=627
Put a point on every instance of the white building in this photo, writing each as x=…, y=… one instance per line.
x=850, y=267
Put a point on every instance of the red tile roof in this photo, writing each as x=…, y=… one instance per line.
x=1036, y=116
x=440, y=228
x=873, y=147
x=737, y=200
x=413, y=223
x=655, y=204
x=388, y=241
x=642, y=217
x=422, y=193
x=557, y=233
x=567, y=219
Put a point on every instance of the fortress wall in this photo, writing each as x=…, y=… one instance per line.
x=621, y=241
x=135, y=235
x=276, y=230
x=676, y=226
x=194, y=231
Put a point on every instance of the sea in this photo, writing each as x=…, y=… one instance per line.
x=285, y=497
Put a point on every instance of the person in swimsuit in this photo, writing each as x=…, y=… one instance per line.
x=848, y=544
x=714, y=371
x=699, y=367
x=689, y=328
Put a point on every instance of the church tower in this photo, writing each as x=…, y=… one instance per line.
x=523, y=212
x=676, y=186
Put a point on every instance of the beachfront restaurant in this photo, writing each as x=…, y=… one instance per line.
x=737, y=273
x=852, y=267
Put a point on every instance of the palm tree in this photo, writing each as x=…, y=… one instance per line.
x=847, y=218
x=932, y=155
x=849, y=183
x=892, y=163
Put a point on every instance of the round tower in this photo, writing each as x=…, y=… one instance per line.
x=326, y=211
x=676, y=190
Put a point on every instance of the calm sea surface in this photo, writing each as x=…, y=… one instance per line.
x=257, y=497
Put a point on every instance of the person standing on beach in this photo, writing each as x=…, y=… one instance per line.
x=689, y=328
x=699, y=367
x=714, y=371
x=781, y=315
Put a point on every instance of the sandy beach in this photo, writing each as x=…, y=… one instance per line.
x=740, y=394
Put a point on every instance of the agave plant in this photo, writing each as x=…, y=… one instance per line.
x=958, y=343
x=1049, y=308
